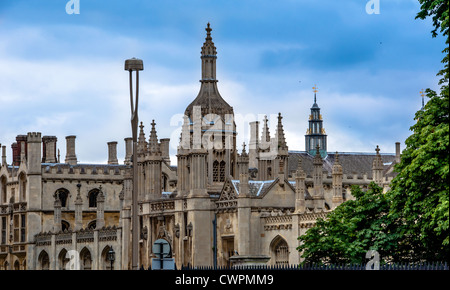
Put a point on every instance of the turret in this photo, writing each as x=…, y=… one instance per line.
x=34, y=141
x=315, y=134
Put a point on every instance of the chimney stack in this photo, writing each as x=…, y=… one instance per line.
x=253, y=144
x=71, y=158
x=164, y=145
x=3, y=155
x=21, y=140
x=49, y=149
x=128, y=150
x=112, y=153
x=397, y=152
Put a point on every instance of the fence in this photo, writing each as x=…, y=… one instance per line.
x=316, y=267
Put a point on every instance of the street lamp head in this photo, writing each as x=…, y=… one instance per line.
x=111, y=255
x=134, y=64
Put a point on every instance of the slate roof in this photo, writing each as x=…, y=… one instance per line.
x=352, y=162
x=258, y=188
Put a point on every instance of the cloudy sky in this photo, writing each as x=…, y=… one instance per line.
x=63, y=74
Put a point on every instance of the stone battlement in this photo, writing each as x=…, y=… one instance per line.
x=34, y=137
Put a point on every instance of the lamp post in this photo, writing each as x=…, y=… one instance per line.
x=111, y=256
x=131, y=65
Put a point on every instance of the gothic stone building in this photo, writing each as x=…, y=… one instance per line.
x=216, y=207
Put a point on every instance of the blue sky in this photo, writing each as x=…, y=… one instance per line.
x=63, y=74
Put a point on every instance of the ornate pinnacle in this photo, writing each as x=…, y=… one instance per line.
x=208, y=32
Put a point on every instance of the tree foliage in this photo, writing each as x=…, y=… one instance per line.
x=420, y=192
x=352, y=229
x=410, y=223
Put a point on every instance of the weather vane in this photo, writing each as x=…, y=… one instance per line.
x=315, y=89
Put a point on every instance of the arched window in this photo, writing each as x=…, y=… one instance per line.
x=85, y=259
x=44, y=261
x=63, y=259
x=106, y=265
x=16, y=265
x=280, y=251
x=22, y=186
x=93, y=197
x=63, y=195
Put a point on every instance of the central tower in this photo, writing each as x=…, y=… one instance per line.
x=208, y=125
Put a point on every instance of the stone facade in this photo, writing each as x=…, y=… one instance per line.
x=216, y=207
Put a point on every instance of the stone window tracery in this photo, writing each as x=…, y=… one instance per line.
x=222, y=171
x=216, y=171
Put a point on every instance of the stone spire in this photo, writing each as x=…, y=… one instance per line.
x=209, y=56
x=153, y=144
x=243, y=173
x=243, y=161
x=265, y=138
x=141, y=144
x=279, y=135
x=141, y=133
x=317, y=158
x=377, y=168
x=209, y=97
